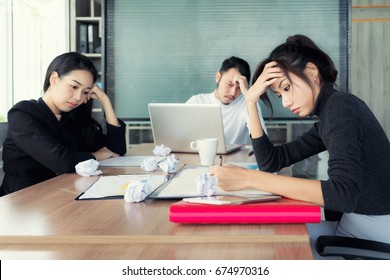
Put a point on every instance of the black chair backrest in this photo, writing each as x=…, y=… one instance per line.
x=3, y=134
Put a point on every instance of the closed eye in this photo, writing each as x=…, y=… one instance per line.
x=230, y=84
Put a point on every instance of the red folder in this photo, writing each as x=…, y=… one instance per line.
x=275, y=212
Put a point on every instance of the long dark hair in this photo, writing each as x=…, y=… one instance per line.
x=292, y=57
x=86, y=129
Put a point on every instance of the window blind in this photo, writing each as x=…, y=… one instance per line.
x=167, y=51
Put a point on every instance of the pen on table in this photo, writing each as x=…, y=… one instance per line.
x=220, y=160
x=250, y=153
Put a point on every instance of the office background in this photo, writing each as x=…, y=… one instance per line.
x=34, y=32
x=167, y=51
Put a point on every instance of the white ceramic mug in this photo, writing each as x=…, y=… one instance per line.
x=207, y=149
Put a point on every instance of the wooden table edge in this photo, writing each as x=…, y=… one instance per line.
x=148, y=239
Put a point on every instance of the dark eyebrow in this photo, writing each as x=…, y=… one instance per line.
x=274, y=90
x=281, y=83
x=80, y=84
x=77, y=82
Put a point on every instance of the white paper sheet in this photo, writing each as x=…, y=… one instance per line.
x=115, y=186
x=184, y=185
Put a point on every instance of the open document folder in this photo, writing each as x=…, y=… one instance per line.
x=183, y=185
x=108, y=187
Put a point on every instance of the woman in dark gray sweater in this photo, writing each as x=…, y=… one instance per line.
x=359, y=150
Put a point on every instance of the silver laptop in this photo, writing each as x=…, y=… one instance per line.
x=176, y=125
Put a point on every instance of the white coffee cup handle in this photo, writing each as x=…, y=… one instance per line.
x=194, y=145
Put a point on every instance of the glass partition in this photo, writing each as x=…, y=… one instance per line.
x=167, y=51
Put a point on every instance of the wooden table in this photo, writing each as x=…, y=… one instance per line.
x=46, y=222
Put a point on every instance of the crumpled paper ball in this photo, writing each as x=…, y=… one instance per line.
x=88, y=168
x=169, y=164
x=149, y=164
x=161, y=151
x=137, y=191
x=206, y=184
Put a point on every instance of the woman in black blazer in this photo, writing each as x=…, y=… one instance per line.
x=49, y=136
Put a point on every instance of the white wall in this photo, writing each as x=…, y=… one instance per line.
x=34, y=32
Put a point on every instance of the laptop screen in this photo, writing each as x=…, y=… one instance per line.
x=176, y=125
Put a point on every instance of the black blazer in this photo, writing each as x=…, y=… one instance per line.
x=39, y=147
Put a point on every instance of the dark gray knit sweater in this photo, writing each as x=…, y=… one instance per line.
x=359, y=154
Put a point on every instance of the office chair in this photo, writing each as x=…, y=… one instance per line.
x=352, y=248
x=3, y=134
